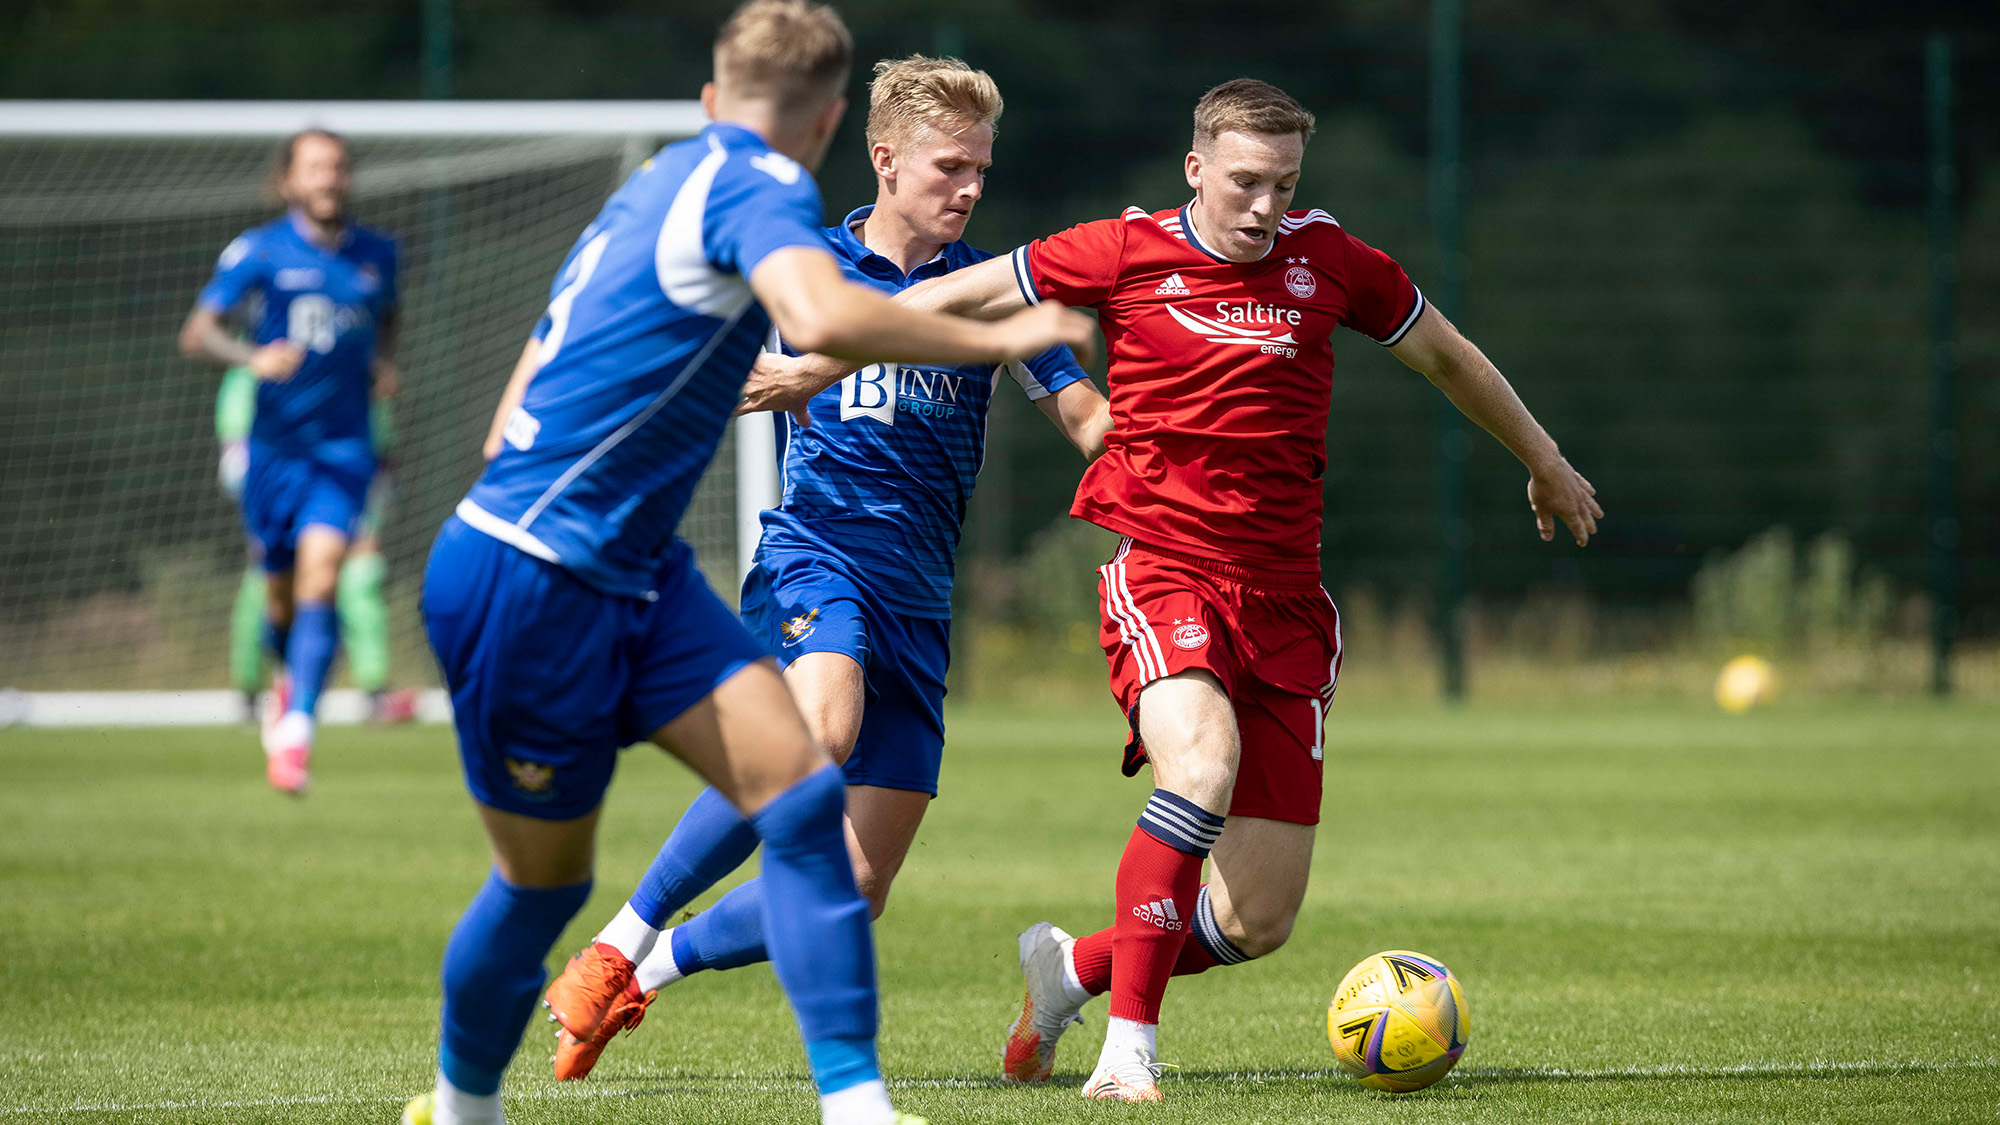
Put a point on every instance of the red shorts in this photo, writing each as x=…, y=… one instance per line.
x=1272, y=639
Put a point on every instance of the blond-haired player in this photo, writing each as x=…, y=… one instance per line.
x=569, y=619
x=853, y=575
x=1224, y=649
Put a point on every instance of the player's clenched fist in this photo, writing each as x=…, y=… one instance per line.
x=277, y=361
x=1035, y=330
x=1561, y=492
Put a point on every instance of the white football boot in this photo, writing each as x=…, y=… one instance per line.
x=1046, y=1008
x=1127, y=1075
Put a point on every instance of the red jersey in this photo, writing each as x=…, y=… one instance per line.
x=1221, y=374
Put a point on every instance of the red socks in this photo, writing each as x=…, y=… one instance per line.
x=1158, y=881
x=1092, y=957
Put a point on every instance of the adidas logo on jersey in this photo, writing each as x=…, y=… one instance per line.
x=1173, y=286
x=1160, y=912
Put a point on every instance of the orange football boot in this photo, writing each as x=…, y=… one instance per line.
x=1046, y=1012
x=593, y=983
x=575, y=1056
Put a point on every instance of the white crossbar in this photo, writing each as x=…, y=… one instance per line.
x=358, y=119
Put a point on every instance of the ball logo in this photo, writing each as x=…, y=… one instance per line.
x=1190, y=634
x=1300, y=281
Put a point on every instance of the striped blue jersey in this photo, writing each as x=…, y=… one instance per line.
x=650, y=332
x=327, y=300
x=882, y=477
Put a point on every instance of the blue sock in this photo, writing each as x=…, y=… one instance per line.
x=711, y=840
x=728, y=935
x=277, y=638
x=492, y=974
x=816, y=924
x=309, y=654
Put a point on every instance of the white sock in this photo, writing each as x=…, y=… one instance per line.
x=629, y=934
x=453, y=1106
x=864, y=1104
x=1073, y=989
x=293, y=727
x=1126, y=1036
x=658, y=969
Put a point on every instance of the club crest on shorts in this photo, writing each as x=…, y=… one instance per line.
x=532, y=780
x=800, y=627
x=1189, y=633
x=1300, y=281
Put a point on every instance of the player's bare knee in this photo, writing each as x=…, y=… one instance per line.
x=1259, y=934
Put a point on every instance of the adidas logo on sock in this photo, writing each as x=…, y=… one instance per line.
x=1160, y=912
x=1173, y=286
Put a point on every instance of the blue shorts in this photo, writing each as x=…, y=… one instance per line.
x=283, y=494
x=551, y=678
x=798, y=602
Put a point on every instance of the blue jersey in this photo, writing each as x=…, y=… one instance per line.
x=883, y=475
x=326, y=300
x=650, y=332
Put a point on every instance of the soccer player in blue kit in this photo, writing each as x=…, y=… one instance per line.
x=569, y=619
x=851, y=583
x=318, y=295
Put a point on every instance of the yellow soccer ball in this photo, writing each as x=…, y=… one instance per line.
x=1744, y=683
x=1398, y=1021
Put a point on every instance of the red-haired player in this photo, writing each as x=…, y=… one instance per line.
x=1224, y=648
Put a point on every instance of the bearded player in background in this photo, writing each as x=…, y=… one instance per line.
x=317, y=295
x=1223, y=646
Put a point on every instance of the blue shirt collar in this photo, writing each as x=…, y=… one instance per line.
x=731, y=134
x=303, y=228
x=857, y=251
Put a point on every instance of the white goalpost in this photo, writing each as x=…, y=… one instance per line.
x=120, y=558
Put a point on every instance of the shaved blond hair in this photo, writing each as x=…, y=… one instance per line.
x=793, y=52
x=943, y=94
x=1245, y=105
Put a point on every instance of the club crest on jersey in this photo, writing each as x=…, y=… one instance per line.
x=799, y=628
x=1268, y=328
x=1189, y=633
x=532, y=780
x=1173, y=286
x=1299, y=280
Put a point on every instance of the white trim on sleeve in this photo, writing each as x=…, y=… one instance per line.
x=1024, y=277
x=1409, y=322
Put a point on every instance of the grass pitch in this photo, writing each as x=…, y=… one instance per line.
x=1659, y=914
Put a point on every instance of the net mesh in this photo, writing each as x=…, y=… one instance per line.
x=120, y=556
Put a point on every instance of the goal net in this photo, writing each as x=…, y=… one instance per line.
x=120, y=555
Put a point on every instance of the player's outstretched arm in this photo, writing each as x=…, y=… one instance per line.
x=816, y=309
x=981, y=292
x=1082, y=414
x=1435, y=349
x=517, y=386
x=204, y=336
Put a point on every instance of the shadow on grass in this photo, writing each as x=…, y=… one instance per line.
x=1461, y=1081
x=1511, y=1076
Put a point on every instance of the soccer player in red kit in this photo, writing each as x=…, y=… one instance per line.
x=1224, y=648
